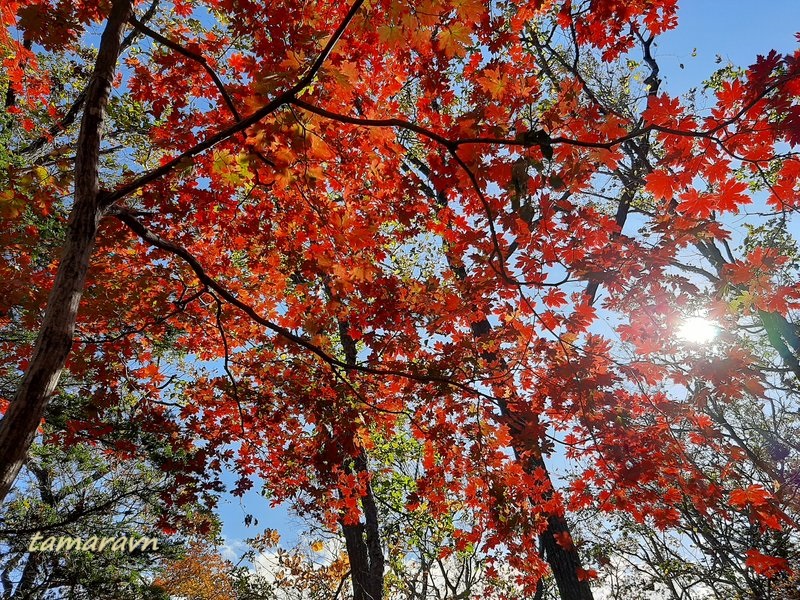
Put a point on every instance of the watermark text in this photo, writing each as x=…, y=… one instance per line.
x=39, y=543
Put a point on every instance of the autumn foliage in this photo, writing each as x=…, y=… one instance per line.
x=200, y=575
x=320, y=225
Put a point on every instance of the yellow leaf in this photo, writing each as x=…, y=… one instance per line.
x=454, y=40
x=493, y=82
x=389, y=34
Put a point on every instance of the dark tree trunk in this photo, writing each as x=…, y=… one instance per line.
x=362, y=540
x=363, y=545
x=565, y=564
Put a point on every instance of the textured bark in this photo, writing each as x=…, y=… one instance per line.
x=357, y=557
x=54, y=342
x=371, y=538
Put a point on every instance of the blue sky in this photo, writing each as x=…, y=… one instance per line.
x=737, y=30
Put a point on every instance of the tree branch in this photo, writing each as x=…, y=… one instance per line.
x=172, y=248
x=239, y=125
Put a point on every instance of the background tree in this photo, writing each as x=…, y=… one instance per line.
x=202, y=574
x=77, y=492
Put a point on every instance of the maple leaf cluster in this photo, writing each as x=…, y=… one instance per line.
x=328, y=224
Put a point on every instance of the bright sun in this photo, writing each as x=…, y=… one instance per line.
x=698, y=330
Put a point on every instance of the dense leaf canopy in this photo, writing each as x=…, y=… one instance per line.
x=314, y=227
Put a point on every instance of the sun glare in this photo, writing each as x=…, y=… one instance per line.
x=698, y=330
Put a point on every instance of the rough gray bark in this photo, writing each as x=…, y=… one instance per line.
x=18, y=427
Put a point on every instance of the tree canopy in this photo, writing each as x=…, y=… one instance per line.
x=461, y=282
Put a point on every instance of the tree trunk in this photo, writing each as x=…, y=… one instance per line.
x=564, y=563
x=362, y=540
x=363, y=545
x=18, y=427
